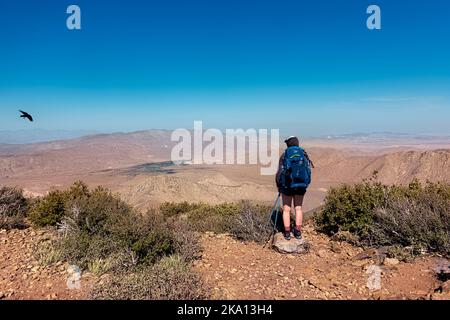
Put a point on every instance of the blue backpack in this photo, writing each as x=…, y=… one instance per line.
x=296, y=170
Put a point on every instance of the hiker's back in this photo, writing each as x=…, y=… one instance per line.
x=296, y=172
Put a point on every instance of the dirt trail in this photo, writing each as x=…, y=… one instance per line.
x=329, y=271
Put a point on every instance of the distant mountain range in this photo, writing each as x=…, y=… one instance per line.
x=40, y=135
x=37, y=135
x=384, y=136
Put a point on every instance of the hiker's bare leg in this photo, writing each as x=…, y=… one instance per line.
x=298, y=217
x=287, y=217
x=298, y=202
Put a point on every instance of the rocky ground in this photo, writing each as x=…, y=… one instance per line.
x=234, y=270
x=331, y=270
x=24, y=276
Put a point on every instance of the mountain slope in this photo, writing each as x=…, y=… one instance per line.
x=133, y=164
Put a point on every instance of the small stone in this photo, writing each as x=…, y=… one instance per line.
x=367, y=254
x=446, y=287
x=345, y=236
x=335, y=247
x=421, y=293
x=391, y=261
x=322, y=253
x=360, y=263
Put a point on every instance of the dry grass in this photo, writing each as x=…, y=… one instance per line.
x=169, y=279
x=422, y=224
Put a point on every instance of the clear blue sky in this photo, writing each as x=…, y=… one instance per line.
x=309, y=67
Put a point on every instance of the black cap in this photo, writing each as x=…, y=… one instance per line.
x=292, y=141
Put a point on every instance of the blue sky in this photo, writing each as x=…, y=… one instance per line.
x=306, y=67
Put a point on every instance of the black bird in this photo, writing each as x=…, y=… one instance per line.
x=26, y=115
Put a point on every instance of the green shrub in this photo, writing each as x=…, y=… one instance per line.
x=414, y=216
x=171, y=209
x=201, y=216
x=13, y=208
x=350, y=208
x=169, y=279
x=153, y=246
x=244, y=221
x=213, y=218
x=48, y=210
x=99, y=212
x=102, y=233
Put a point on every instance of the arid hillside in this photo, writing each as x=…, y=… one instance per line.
x=398, y=167
x=137, y=165
x=83, y=155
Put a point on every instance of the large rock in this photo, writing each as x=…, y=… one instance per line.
x=282, y=245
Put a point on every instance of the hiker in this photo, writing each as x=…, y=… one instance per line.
x=293, y=178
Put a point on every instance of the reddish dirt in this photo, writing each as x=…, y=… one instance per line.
x=235, y=270
x=23, y=277
x=329, y=271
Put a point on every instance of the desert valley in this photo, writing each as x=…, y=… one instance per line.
x=137, y=165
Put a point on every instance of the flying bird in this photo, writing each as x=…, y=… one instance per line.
x=26, y=115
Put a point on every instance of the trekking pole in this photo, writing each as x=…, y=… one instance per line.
x=276, y=219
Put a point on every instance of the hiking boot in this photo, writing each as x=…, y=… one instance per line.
x=287, y=235
x=297, y=234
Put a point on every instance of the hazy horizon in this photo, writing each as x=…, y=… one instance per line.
x=26, y=136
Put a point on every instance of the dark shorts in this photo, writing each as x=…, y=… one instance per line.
x=293, y=196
